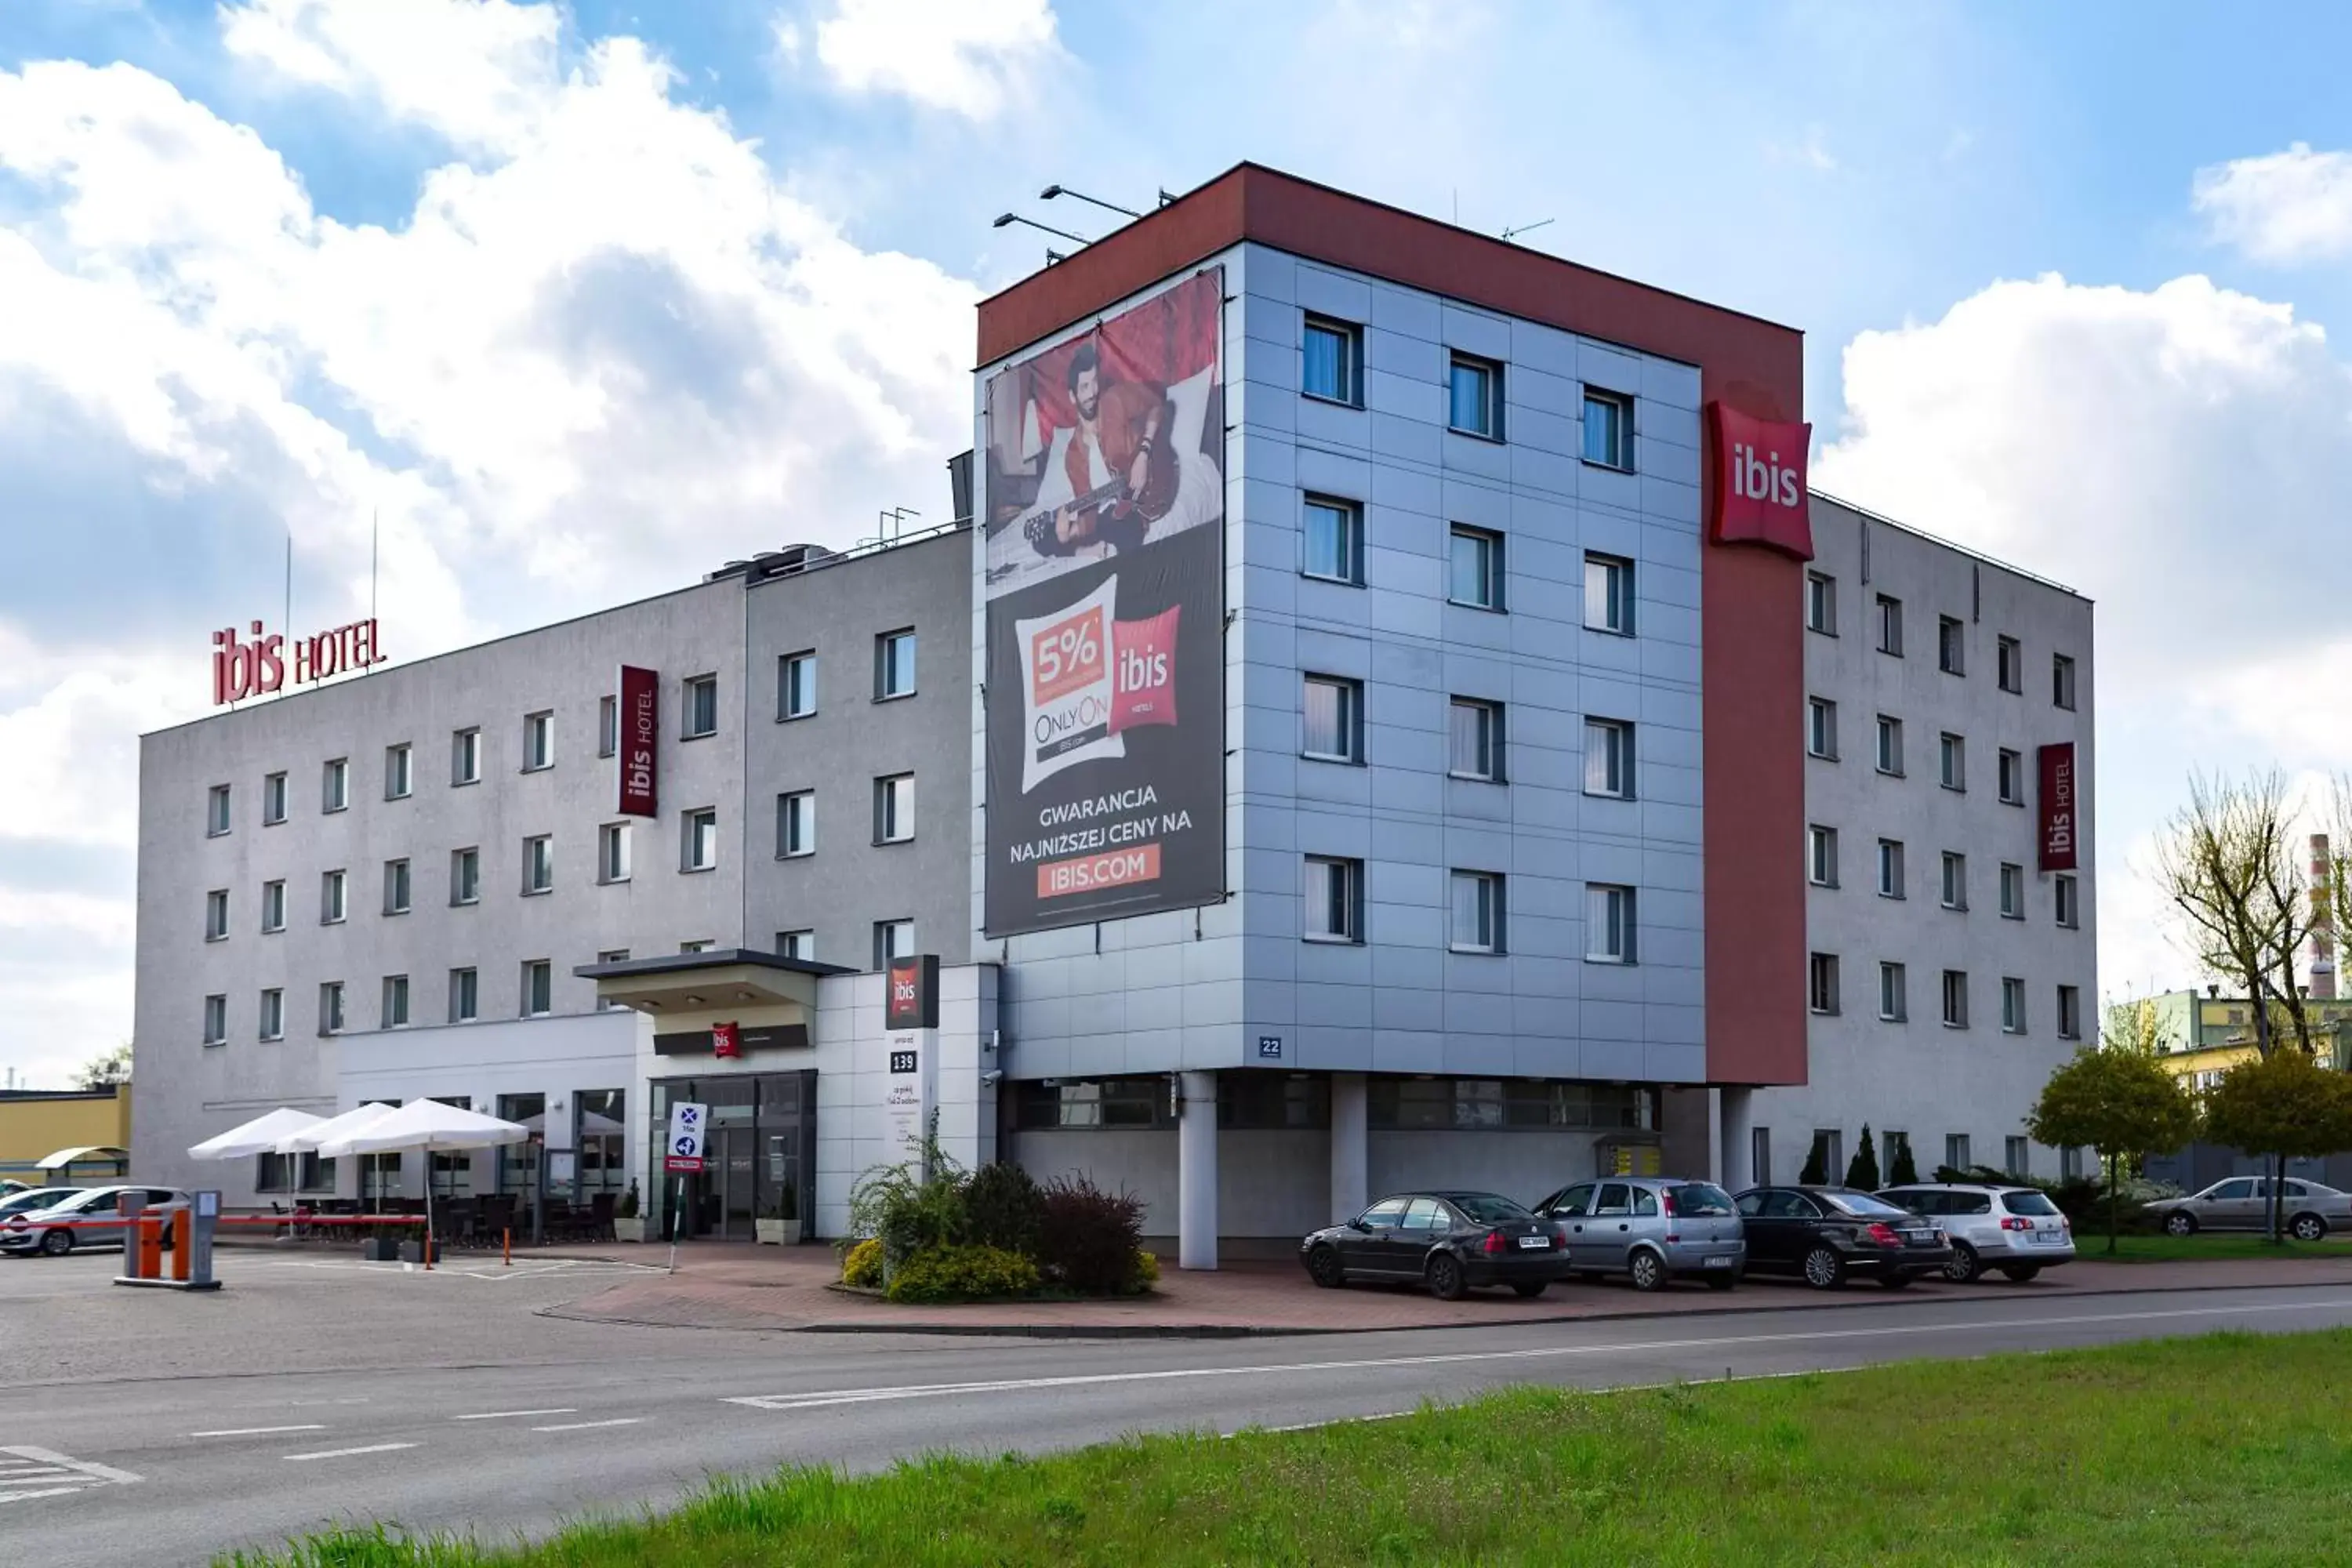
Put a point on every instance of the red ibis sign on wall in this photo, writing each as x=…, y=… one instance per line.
x=2061, y=823
x=256, y=667
x=1759, y=493
x=638, y=745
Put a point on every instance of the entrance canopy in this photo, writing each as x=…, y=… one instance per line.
x=84, y=1154
x=685, y=983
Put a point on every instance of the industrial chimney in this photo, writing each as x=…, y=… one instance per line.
x=2322, y=920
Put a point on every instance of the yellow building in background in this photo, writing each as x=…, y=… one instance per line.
x=2198, y=1037
x=37, y=1123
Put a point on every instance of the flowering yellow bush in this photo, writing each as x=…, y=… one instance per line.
x=863, y=1266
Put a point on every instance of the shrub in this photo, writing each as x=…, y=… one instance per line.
x=962, y=1274
x=1146, y=1275
x=1905, y=1170
x=1862, y=1170
x=1816, y=1172
x=911, y=1212
x=863, y=1265
x=1004, y=1208
x=1088, y=1239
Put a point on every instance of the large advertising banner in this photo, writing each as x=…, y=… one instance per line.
x=1106, y=607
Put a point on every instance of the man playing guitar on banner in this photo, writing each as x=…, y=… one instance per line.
x=1120, y=478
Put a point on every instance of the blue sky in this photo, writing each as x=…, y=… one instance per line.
x=576, y=302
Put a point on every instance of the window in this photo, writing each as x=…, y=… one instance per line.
x=216, y=1020
x=608, y=725
x=331, y=899
x=216, y=915
x=273, y=907
x=1820, y=603
x=2009, y=662
x=1608, y=429
x=465, y=996
x=1955, y=880
x=700, y=831
x=893, y=665
x=1820, y=856
x=610, y=955
x=800, y=944
x=894, y=809
x=1890, y=746
x=538, y=742
x=1829, y=1144
x=216, y=819
x=1890, y=626
x=1477, y=568
x=1890, y=868
x=1477, y=919
x=1956, y=999
x=2061, y=681
x=395, y=1002
x=2012, y=1005
x=465, y=757
x=1952, y=760
x=538, y=983
x=2010, y=767
x=1956, y=1150
x=331, y=1007
x=2014, y=1156
x=702, y=707
x=1609, y=758
x=1334, y=719
x=1140, y=1101
x=1334, y=539
x=1952, y=646
x=1820, y=727
x=612, y=852
x=1893, y=1001
x=1334, y=897
x=2070, y=1164
x=537, y=864
x=399, y=773
x=465, y=876
x=893, y=939
x=1474, y=746
x=1609, y=923
x=1822, y=981
x=335, y=787
x=272, y=1016
x=796, y=685
x=396, y=887
x=796, y=824
x=273, y=799
x=1760, y=1155
x=703, y=946
x=2069, y=908
x=1475, y=406
x=1332, y=362
x=1608, y=593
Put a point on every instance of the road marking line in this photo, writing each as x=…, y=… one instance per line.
x=1008, y=1386
x=503, y=1415
x=347, y=1453
x=585, y=1426
x=53, y=1491
x=86, y=1467
x=259, y=1431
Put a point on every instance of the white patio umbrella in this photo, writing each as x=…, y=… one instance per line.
x=430, y=1126
x=308, y=1139
x=259, y=1136
x=592, y=1123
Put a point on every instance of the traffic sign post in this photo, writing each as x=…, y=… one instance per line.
x=688, y=1124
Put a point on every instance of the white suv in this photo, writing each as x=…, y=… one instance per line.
x=2017, y=1230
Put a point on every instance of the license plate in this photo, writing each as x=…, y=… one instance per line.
x=1920, y=1237
x=1535, y=1242
x=1717, y=1263
x=2049, y=1238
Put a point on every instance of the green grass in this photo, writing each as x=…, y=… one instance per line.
x=2231, y=1447
x=2203, y=1247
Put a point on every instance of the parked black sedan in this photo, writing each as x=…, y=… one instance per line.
x=1825, y=1234
x=1448, y=1241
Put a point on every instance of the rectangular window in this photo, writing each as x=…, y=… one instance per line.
x=465, y=876
x=1820, y=856
x=465, y=996
x=699, y=841
x=538, y=742
x=216, y=1020
x=1890, y=868
x=1820, y=727
x=216, y=817
x=1332, y=361
x=272, y=1016
x=1334, y=715
x=894, y=808
x=1609, y=758
x=1477, y=915
x=892, y=940
x=399, y=772
x=465, y=757
x=2070, y=1164
x=395, y=1002
x=608, y=725
x=1473, y=748
x=1608, y=429
x=2062, y=681
x=2009, y=663
x=396, y=887
x=799, y=944
x=1608, y=593
x=1952, y=646
x=1893, y=1003
x=2012, y=771
x=332, y=903
x=538, y=988
x=701, y=708
x=612, y=852
x=1952, y=760
x=2014, y=1156
x=796, y=824
x=273, y=799
x=2012, y=891
x=1955, y=880
x=704, y=946
x=273, y=907
x=537, y=864
x=1476, y=568
x=1822, y=982
x=1890, y=624
x=1334, y=898
x=1820, y=603
x=1475, y=404
x=1956, y=1150
x=331, y=1007
x=796, y=685
x=1760, y=1155
x=2012, y=1005
x=2069, y=1013
x=893, y=665
x=335, y=787
x=216, y=915
x=1890, y=746
x=2069, y=910
x=610, y=955
x=1334, y=539
x=1609, y=936
x=1956, y=999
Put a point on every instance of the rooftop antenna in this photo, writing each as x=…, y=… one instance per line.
x=1050, y=192
x=375, y=531
x=1509, y=233
x=893, y=522
x=1165, y=199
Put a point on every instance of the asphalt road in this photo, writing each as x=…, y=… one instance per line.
x=169, y=1428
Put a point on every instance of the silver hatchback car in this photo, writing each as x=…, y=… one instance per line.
x=2017, y=1230
x=1649, y=1228
x=2242, y=1203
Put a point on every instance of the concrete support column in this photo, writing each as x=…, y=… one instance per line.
x=1196, y=1171
x=1349, y=1157
x=1736, y=1120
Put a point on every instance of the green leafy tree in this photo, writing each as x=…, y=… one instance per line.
x=2284, y=1105
x=1905, y=1170
x=1817, y=1163
x=106, y=1069
x=2123, y=1105
x=1862, y=1170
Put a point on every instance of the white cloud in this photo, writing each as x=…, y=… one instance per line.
x=2282, y=207
x=972, y=57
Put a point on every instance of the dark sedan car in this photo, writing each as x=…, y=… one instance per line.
x=1825, y=1234
x=1448, y=1241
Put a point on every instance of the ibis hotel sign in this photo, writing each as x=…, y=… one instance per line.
x=638, y=749
x=260, y=663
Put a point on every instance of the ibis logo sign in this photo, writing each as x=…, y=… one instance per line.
x=913, y=1000
x=263, y=665
x=1758, y=491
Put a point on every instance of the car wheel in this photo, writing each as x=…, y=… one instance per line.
x=1825, y=1269
x=2308, y=1227
x=1965, y=1265
x=2020, y=1272
x=1444, y=1276
x=1531, y=1289
x=1648, y=1269
x=57, y=1243
x=1324, y=1267
x=2178, y=1223
x=1721, y=1282
x=1897, y=1282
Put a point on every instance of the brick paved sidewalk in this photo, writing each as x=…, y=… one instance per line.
x=719, y=1285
